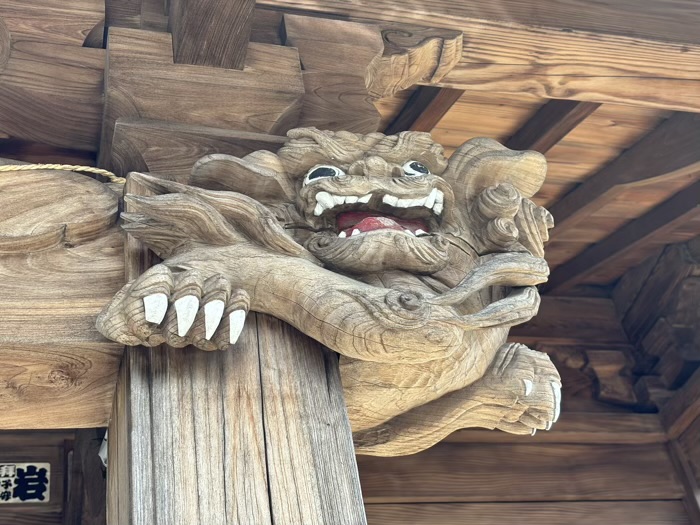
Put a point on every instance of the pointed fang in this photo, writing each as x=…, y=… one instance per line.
x=186, y=309
x=155, y=306
x=236, y=320
x=556, y=390
x=213, y=312
x=528, y=386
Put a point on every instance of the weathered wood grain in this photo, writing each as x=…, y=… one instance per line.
x=50, y=93
x=143, y=82
x=424, y=109
x=211, y=32
x=507, y=57
x=670, y=20
x=554, y=513
x=307, y=433
x=172, y=149
x=55, y=362
x=688, y=477
x=451, y=472
x=85, y=502
x=551, y=124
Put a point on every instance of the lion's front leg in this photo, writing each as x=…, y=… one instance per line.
x=520, y=393
x=176, y=308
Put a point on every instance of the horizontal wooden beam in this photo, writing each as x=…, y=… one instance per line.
x=424, y=109
x=655, y=224
x=550, y=60
x=475, y=472
x=602, y=428
x=550, y=124
x=573, y=320
x=541, y=513
x=670, y=150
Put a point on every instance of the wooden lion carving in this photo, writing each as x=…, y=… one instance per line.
x=411, y=267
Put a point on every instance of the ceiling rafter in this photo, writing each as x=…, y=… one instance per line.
x=655, y=224
x=424, y=109
x=552, y=122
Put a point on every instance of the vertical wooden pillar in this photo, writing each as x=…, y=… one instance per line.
x=253, y=436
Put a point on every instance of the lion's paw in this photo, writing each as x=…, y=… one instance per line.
x=178, y=309
x=534, y=386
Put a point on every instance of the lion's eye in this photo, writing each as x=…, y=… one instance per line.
x=415, y=169
x=320, y=172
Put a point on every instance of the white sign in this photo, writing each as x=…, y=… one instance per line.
x=25, y=482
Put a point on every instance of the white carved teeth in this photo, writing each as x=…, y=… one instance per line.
x=528, y=386
x=410, y=232
x=236, y=320
x=326, y=201
x=186, y=309
x=155, y=306
x=420, y=232
x=342, y=235
x=556, y=390
x=548, y=426
x=390, y=200
x=434, y=201
x=534, y=431
x=213, y=312
x=355, y=232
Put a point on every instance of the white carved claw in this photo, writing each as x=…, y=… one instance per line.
x=186, y=309
x=236, y=321
x=556, y=390
x=155, y=307
x=213, y=313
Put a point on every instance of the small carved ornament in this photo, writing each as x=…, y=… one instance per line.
x=412, y=267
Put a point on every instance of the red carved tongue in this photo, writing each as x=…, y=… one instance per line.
x=370, y=221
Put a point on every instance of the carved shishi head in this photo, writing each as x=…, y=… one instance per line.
x=371, y=203
x=413, y=267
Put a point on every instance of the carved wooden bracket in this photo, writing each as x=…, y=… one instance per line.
x=412, y=267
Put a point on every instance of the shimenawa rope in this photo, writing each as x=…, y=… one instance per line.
x=65, y=167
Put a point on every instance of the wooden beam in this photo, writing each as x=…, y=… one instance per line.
x=550, y=124
x=258, y=434
x=541, y=513
x=142, y=82
x=60, y=102
x=689, y=479
x=172, y=149
x=572, y=320
x=211, y=33
x=556, y=472
x=591, y=65
x=424, y=109
x=601, y=428
x=682, y=408
x=670, y=150
x=655, y=224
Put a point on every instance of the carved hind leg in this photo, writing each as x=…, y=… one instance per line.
x=520, y=393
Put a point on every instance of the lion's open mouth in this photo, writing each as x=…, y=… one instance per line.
x=355, y=215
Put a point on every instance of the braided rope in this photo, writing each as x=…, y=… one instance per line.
x=65, y=167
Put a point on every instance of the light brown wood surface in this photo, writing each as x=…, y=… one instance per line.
x=211, y=32
x=557, y=513
x=54, y=360
x=521, y=473
x=505, y=57
x=268, y=90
